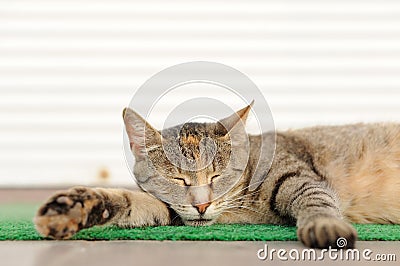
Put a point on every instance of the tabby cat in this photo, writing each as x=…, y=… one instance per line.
x=321, y=179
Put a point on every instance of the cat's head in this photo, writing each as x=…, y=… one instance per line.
x=191, y=166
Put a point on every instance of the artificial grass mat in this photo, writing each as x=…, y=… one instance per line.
x=16, y=224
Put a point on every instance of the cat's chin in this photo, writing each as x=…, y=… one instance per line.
x=198, y=222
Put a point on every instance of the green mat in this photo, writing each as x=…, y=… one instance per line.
x=16, y=224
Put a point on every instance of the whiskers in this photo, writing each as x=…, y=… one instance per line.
x=244, y=188
x=237, y=202
x=237, y=207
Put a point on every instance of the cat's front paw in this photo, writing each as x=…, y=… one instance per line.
x=67, y=212
x=325, y=232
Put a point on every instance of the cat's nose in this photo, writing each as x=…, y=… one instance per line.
x=201, y=208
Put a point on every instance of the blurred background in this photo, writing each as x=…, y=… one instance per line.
x=68, y=68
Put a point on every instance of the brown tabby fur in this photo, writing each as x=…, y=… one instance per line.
x=321, y=179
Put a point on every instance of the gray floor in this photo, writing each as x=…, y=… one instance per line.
x=116, y=253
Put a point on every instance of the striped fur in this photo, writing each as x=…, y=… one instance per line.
x=321, y=180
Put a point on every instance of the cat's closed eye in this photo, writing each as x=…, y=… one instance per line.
x=181, y=181
x=214, y=178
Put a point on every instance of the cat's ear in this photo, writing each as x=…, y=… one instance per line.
x=239, y=118
x=140, y=133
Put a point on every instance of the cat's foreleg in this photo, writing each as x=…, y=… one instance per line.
x=315, y=206
x=67, y=212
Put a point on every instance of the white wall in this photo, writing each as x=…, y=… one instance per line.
x=67, y=68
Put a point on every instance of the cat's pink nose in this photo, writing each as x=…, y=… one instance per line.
x=201, y=208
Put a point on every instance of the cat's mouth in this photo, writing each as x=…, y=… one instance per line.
x=198, y=222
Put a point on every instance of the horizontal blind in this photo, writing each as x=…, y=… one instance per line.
x=67, y=68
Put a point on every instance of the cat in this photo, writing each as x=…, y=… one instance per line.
x=321, y=179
